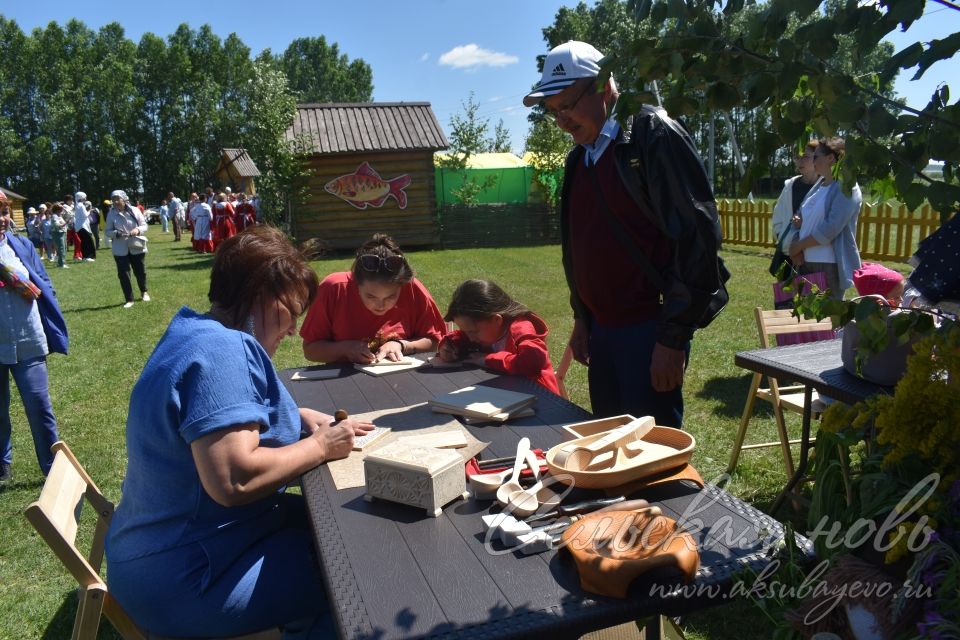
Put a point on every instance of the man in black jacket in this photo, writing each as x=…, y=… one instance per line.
x=640, y=234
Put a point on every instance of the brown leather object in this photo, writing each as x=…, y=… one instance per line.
x=612, y=548
x=686, y=472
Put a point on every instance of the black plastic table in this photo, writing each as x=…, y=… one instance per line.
x=393, y=572
x=816, y=365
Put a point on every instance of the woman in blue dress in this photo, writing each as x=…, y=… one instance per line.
x=204, y=541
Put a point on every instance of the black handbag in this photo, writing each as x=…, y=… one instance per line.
x=779, y=257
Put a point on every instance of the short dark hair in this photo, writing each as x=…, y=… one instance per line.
x=258, y=262
x=382, y=246
x=479, y=299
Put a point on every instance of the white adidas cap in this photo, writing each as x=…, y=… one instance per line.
x=565, y=64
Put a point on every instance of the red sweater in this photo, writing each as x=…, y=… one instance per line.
x=521, y=352
x=608, y=279
x=337, y=313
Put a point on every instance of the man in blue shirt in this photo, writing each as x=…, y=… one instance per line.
x=31, y=326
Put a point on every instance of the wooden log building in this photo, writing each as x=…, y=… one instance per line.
x=16, y=201
x=371, y=170
x=237, y=171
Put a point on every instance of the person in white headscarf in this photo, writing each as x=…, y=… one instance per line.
x=81, y=225
x=127, y=226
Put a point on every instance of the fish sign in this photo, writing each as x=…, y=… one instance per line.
x=364, y=187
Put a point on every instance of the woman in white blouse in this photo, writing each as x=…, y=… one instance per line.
x=126, y=227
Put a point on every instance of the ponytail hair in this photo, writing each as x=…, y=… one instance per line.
x=481, y=299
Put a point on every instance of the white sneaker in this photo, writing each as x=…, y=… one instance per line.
x=89, y=260
x=63, y=266
x=146, y=297
x=128, y=305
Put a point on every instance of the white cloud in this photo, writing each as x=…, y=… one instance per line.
x=495, y=99
x=470, y=55
x=424, y=57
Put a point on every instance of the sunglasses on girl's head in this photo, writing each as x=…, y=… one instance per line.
x=373, y=262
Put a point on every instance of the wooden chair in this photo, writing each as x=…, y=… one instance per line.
x=56, y=517
x=773, y=323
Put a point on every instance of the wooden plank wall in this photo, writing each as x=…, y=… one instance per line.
x=884, y=231
x=341, y=226
x=489, y=225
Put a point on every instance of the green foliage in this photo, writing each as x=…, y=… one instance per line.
x=784, y=71
x=318, y=72
x=500, y=143
x=468, y=136
x=550, y=146
x=96, y=111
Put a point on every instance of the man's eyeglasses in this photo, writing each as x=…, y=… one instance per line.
x=555, y=114
x=373, y=262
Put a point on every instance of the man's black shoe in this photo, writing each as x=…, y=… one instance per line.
x=6, y=473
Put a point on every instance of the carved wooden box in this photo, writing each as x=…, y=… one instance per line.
x=419, y=476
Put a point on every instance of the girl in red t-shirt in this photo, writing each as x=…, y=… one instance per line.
x=375, y=311
x=498, y=333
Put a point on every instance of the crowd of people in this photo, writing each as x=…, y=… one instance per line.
x=214, y=217
x=54, y=227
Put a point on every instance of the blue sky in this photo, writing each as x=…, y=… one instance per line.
x=436, y=51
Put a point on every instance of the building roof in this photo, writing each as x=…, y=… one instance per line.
x=241, y=162
x=11, y=195
x=368, y=126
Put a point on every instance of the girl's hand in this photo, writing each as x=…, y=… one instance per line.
x=358, y=351
x=392, y=351
x=447, y=352
x=797, y=222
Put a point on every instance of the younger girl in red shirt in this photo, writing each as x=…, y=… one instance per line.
x=375, y=311
x=498, y=333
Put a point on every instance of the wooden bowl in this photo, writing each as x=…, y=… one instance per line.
x=666, y=448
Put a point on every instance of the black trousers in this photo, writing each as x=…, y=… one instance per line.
x=123, y=272
x=87, y=247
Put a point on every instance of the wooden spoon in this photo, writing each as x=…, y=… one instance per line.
x=513, y=484
x=525, y=502
x=485, y=485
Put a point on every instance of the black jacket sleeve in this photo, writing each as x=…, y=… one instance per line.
x=661, y=168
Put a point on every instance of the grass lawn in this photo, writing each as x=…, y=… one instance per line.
x=109, y=345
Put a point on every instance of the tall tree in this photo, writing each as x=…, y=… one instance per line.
x=95, y=111
x=468, y=136
x=500, y=142
x=743, y=128
x=272, y=107
x=318, y=72
x=549, y=145
x=798, y=82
